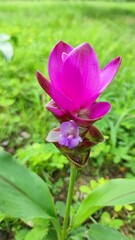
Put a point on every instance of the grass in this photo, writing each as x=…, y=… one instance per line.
x=36, y=27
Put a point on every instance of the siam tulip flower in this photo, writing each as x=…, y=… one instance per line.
x=74, y=143
x=76, y=82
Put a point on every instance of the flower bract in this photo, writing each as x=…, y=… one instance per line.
x=76, y=82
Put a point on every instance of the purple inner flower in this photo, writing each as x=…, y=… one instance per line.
x=69, y=134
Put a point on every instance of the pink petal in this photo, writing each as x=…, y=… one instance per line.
x=99, y=110
x=91, y=101
x=56, y=111
x=80, y=74
x=56, y=62
x=62, y=101
x=108, y=73
x=86, y=118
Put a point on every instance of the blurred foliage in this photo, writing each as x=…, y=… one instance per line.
x=92, y=185
x=34, y=30
x=111, y=222
x=41, y=156
x=23, y=119
x=2, y=216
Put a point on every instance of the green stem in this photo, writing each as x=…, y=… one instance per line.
x=73, y=173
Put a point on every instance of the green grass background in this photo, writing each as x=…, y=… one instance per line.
x=36, y=26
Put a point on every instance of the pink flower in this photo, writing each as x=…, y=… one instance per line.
x=76, y=82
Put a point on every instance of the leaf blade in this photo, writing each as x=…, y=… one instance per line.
x=101, y=232
x=114, y=192
x=22, y=193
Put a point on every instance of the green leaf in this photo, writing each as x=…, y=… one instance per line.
x=23, y=194
x=40, y=222
x=85, y=189
x=78, y=234
x=51, y=235
x=6, y=102
x=116, y=223
x=2, y=216
x=128, y=207
x=114, y=192
x=100, y=232
x=20, y=235
x=37, y=233
x=111, y=222
x=105, y=218
x=60, y=207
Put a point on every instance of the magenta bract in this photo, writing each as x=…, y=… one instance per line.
x=76, y=82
